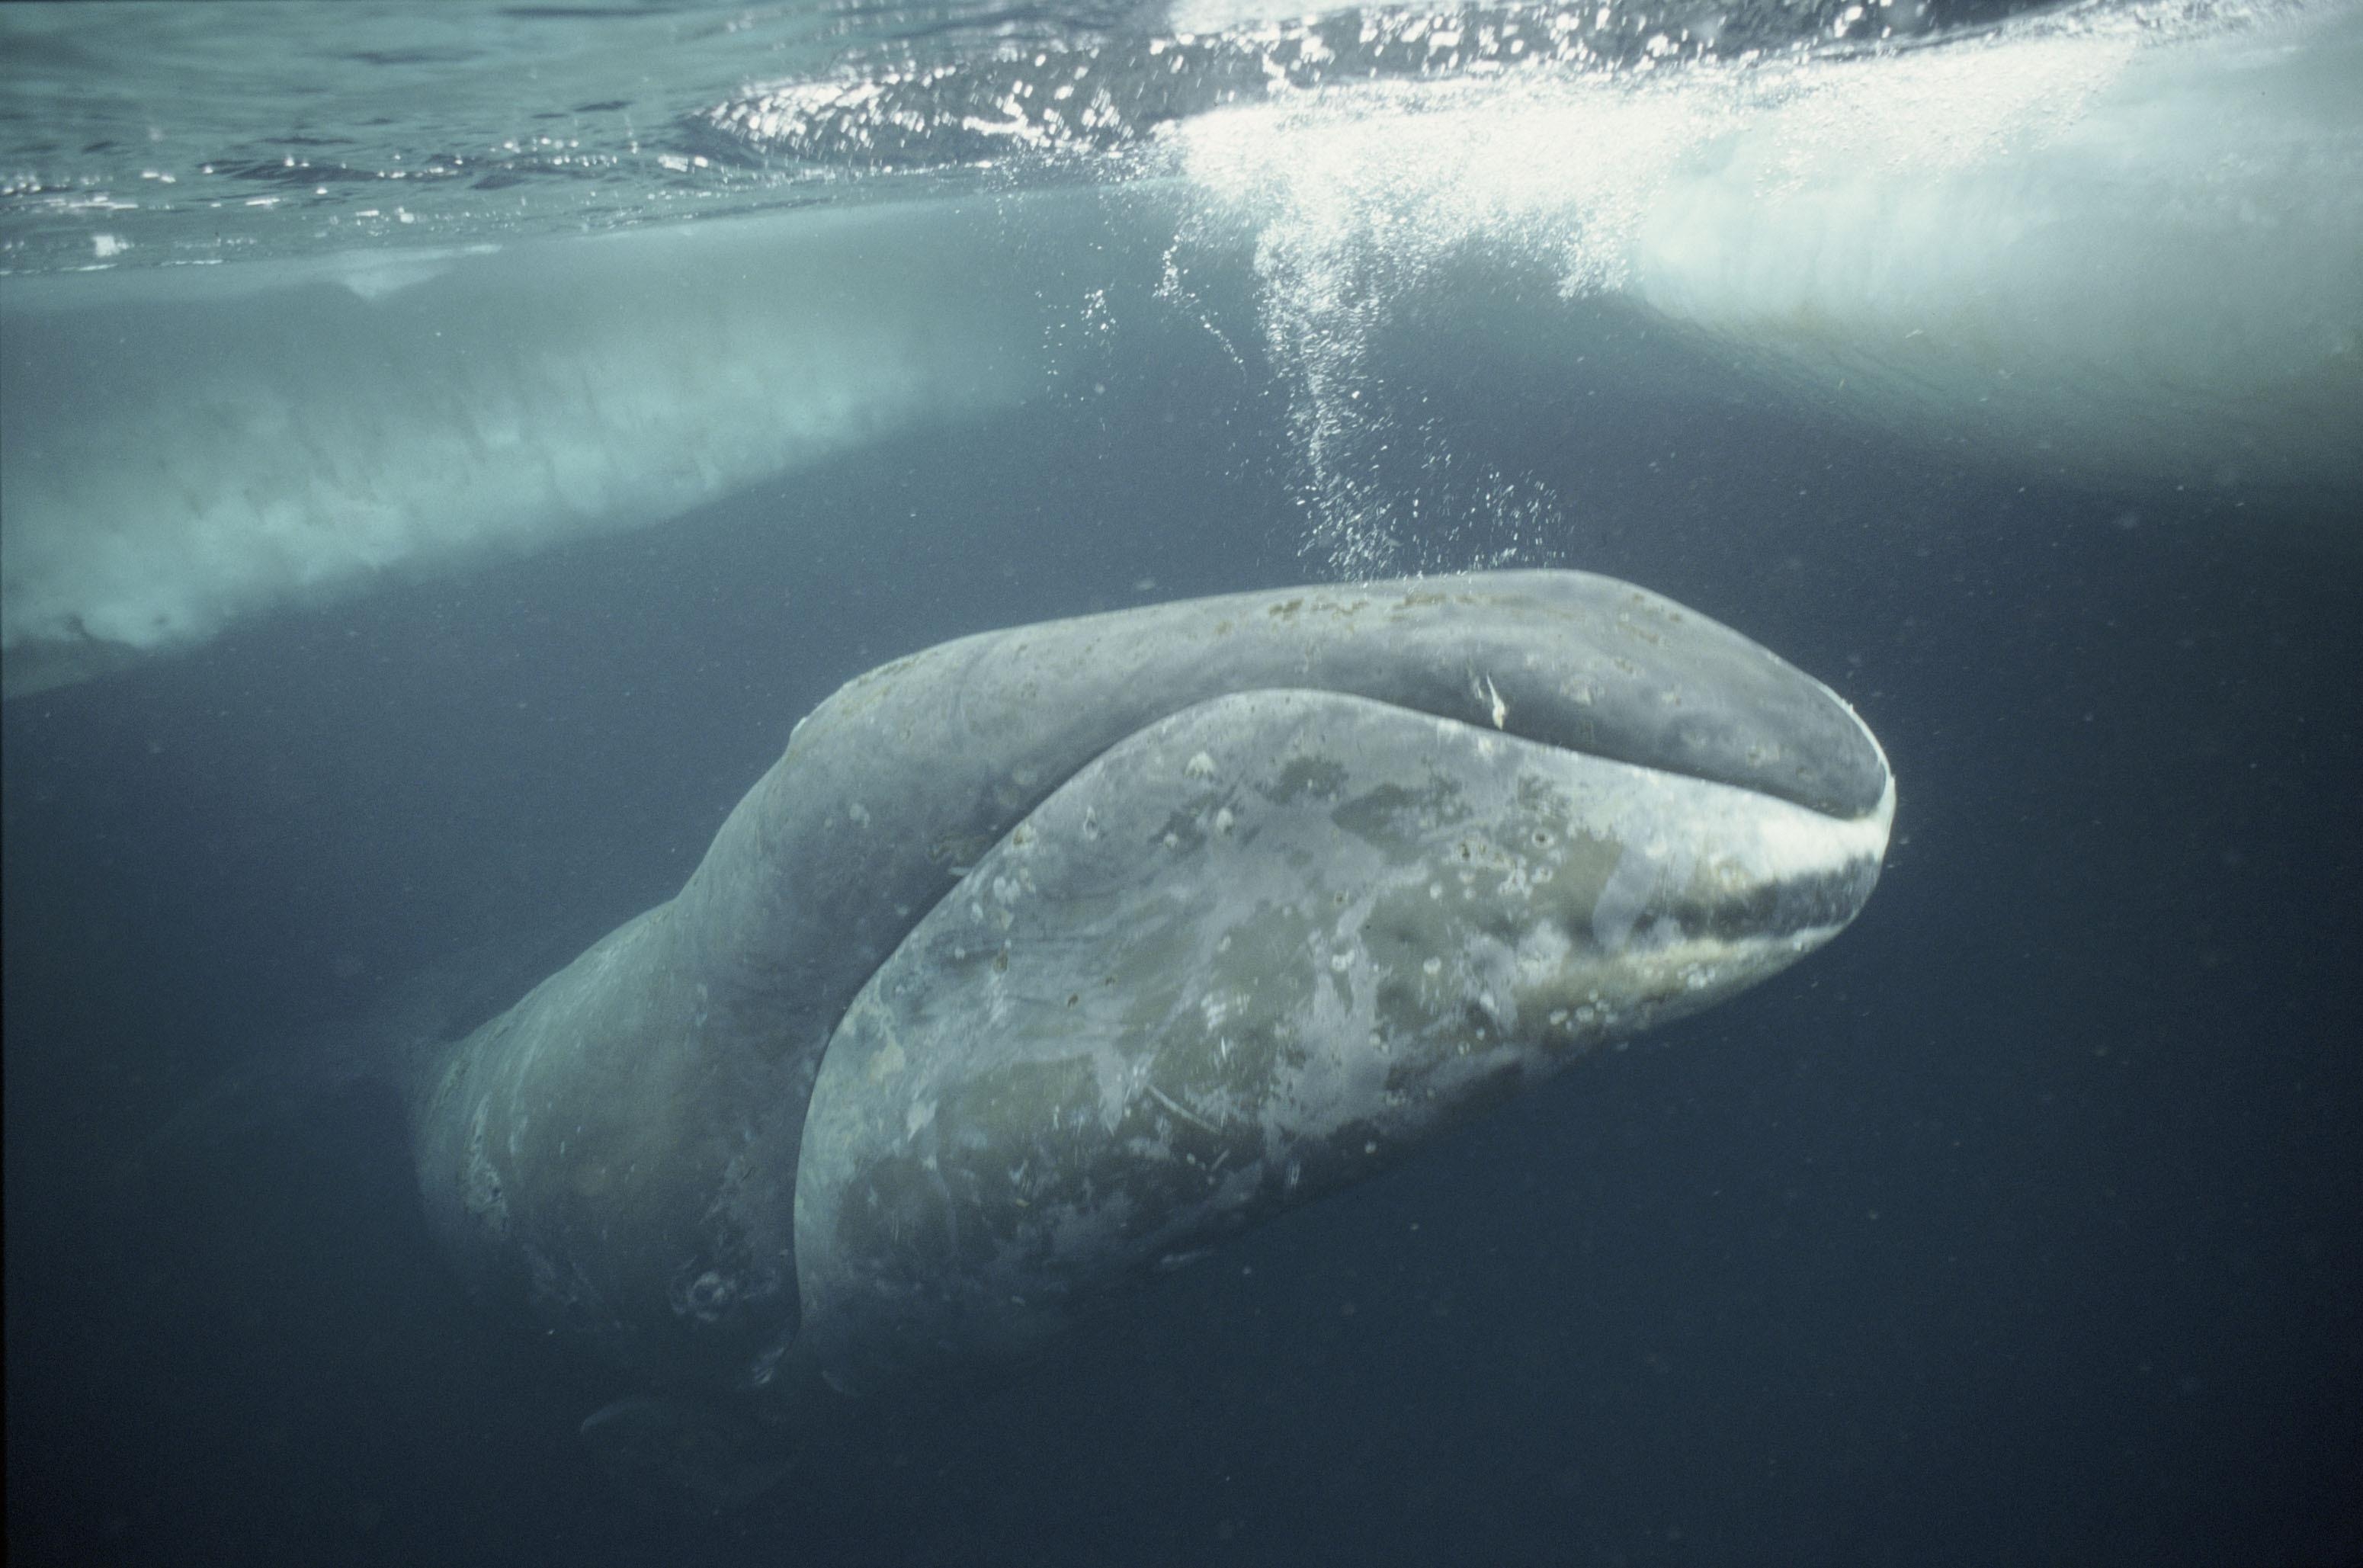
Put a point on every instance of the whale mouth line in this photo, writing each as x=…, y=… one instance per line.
x=1817, y=867
x=1882, y=810
x=1503, y=724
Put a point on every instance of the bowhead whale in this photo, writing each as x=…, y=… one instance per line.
x=1047, y=956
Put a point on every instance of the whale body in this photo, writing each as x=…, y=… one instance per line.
x=1045, y=956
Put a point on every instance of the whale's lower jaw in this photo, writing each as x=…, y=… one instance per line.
x=1260, y=950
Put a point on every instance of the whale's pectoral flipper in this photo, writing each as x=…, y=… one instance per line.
x=1049, y=956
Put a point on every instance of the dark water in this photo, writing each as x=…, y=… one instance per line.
x=2020, y=1226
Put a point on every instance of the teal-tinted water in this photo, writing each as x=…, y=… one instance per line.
x=443, y=452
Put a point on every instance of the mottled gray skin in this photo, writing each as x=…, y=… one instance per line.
x=1044, y=956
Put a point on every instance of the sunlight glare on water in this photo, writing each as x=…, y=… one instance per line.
x=144, y=134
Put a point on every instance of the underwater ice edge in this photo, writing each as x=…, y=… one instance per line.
x=2125, y=242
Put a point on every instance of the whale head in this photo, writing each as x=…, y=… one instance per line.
x=1330, y=894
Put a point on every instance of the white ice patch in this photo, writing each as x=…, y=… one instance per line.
x=2124, y=240
x=205, y=448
